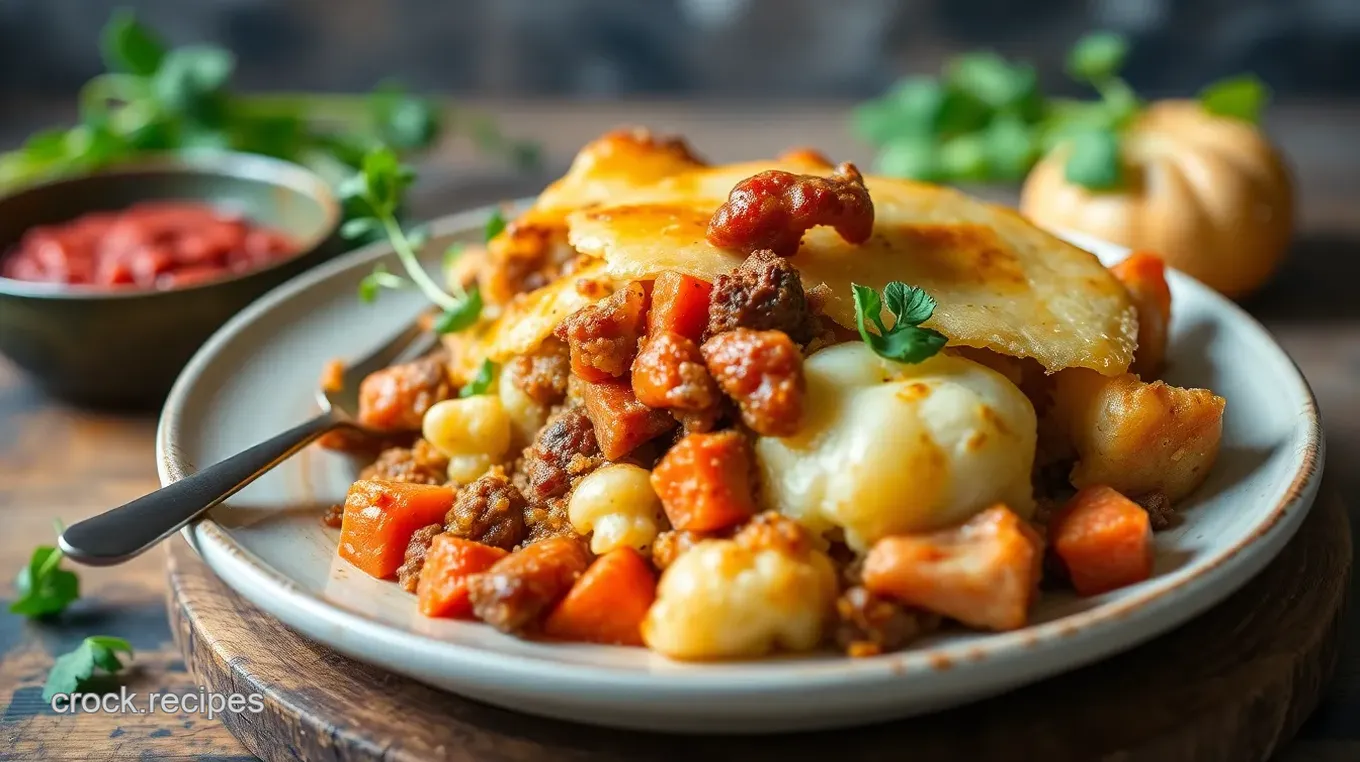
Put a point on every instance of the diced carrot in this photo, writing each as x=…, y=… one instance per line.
x=984, y=573
x=679, y=305
x=1144, y=275
x=608, y=603
x=443, y=590
x=380, y=518
x=1104, y=539
x=704, y=482
x=621, y=422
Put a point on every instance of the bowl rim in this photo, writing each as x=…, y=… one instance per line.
x=205, y=161
x=1158, y=608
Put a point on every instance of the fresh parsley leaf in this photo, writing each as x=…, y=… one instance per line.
x=914, y=157
x=494, y=224
x=377, y=280
x=906, y=341
x=73, y=669
x=964, y=157
x=481, y=382
x=401, y=120
x=1094, y=160
x=44, y=587
x=190, y=81
x=1098, y=56
x=1011, y=147
x=1241, y=97
x=129, y=47
x=359, y=227
x=461, y=315
x=993, y=80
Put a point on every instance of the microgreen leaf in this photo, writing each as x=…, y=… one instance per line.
x=401, y=120
x=451, y=255
x=360, y=227
x=1241, y=97
x=1097, y=56
x=481, y=382
x=44, y=588
x=377, y=280
x=73, y=669
x=418, y=236
x=462, y=314
x=906, y=341
x=127, y=46
x=1094, y=161
x=494, y=224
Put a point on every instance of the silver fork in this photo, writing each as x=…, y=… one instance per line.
x=123, y=533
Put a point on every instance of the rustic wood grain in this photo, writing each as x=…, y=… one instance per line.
x=61, y=463
x=1229, y=687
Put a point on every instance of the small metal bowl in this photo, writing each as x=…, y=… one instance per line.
x=123, y=347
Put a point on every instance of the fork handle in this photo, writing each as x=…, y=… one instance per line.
x=123, y=533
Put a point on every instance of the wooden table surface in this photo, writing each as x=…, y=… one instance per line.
x=58, y=462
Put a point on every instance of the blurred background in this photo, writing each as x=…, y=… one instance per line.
x=731, y=49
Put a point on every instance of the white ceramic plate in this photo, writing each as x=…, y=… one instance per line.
x=256, y=377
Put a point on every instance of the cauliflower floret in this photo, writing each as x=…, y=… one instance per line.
x=1136, y=437
x=765, y=589
x=617, y=507
x=887, y=448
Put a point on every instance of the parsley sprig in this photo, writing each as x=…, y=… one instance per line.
x=44, y=588
x=906, y=341
x=156, y=98
x=73, y=670
x=376, y=192
x=985, y=119
x=481, y=381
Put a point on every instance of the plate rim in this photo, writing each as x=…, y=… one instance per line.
x=1157, y=608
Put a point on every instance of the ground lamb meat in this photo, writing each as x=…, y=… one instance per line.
x=518, y=591
x=762, y=371
x=1160, y=513
x=526, y=257
x=669, y=373
x=867, y=625
x=565, y=445
x=764, y=293
x=396, y=398
x=542, y=376
x=408, y=574
x=773, y=209
x=602, y=338
x=489, y=510
x=419, y=464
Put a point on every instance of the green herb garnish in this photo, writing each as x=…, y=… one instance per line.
x=906, y=341
x=1241, y=97
x=44, y=587
x=985, y=119
x=494, y=224
x=72, y=670
x=376, y=192
x=154, y=98
x=480, y=383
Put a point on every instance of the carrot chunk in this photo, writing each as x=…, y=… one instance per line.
x=679, y=305
x=704, y=482
x=380, y=517
x=1104, y=539
x=1144, y=275
x=984, y=573
x=608, y=603
x=621, y=422
x=443, y=587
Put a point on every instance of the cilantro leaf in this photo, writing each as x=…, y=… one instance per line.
x=461, y=315
x=129, y=47
x=494, y=224
x=481, y=382
x=377, y=280
x=73, y=669
x=1241, y=97
x=1094, y=161
x=44, y=587
x=1097, y=56
x=360, y=227
x=906, y=341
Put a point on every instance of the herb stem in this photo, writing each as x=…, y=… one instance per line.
x=402, y=245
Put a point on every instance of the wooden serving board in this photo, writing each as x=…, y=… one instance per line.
x=1233, y=685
